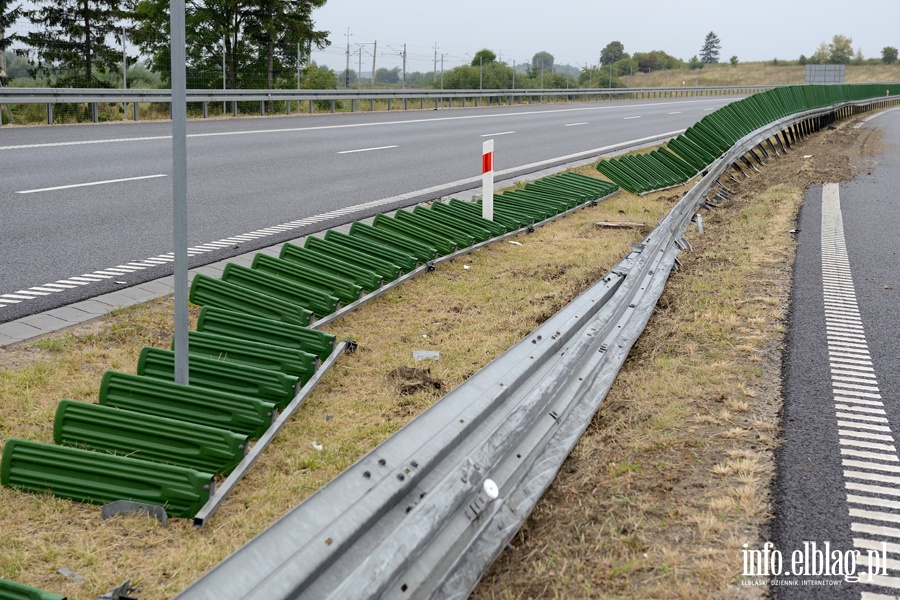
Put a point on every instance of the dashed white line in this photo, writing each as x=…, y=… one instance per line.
x=575, y=124
x=496, y=134
x=674, y=113
x=629, y=118
x=367, y=149
x=78, y=185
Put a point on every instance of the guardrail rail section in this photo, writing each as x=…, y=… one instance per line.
x=332, y=99
x=425, y=513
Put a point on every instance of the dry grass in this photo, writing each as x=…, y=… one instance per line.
x=672, y=477
x=470, y=309
x=753, y=73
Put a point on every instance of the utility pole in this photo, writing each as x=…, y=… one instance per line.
x=298, y=65
x=434, y=71
x=359, y=68
x=124, y=74
x=347, y=71
x=404, y=66
x=374, y=54
x=224, y=77
x=514, y=73
x=480, y=71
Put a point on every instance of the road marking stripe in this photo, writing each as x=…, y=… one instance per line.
x=860, y=401
x=875, y=515
x=862, y=417
x=863, y=426
x=496, y=134
x=872, y=477
x=862, y=409
x=629, y=118
x=873, y=595
x=866, y=435
x=870, y=544
x=367, y=149
x=859, y=394
x=575, y=124
x=869, y=445
x=46, y=289
x=875, y=529
x=17, y=297
x=873, y=501
x=872, y=455
x=78, y=185
x=30, y=292
x=870, y=465
x=674, y=113
x=849, y=370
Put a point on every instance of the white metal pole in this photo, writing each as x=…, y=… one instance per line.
x=487, y=180
x=179, y=188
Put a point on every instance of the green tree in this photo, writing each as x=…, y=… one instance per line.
x=695, y=63
x=8, y=16
x=820, y=56
x=278, y=26
x=614, y=52
x=541, y=61
x=734, y=61
x=709, y=53
x=483, y=56
x=320, y=78
x=888, y=55
x=657, y=60
x=72, y=40
x=840, y=50
x=802, y=60
x=387, y=76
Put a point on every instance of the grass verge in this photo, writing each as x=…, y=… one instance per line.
x=470, y=310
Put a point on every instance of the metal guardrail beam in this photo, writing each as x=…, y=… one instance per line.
x=424, y=514
x=76, y=95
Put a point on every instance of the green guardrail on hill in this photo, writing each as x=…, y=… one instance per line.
x=690, y=153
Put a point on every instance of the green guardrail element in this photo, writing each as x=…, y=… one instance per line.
x=393, y=256
x=494, y=227
x=309, y=297
x=100, y=478
x=365, y=278
x=478, y=234
x=208, y=291
x=147, y=437
x=511, y=223
x=384, y=269
x=265, y=331
x=213, y=408
x=434, y=227
x=702, y=143
x=11, y=590
x=394, y=241
x=208, y=372
x=265, y=356
x=442, y=244
x=342, y=288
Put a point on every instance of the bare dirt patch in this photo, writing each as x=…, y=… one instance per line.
x=673, y=475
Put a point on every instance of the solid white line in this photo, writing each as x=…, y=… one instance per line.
x=874, y=515
x=874, y=489
x=873, y=501
x=496, y=134
x=868, y=435
x=575, y=124
x=862, y=417
x=366, y=149
x=873, y=411
x=869, y=544
x=870, y=465
x=77, y=185
x=859, y=401
x=863, y=426
x=874, y=529
x=873, y=477
x=872, y=455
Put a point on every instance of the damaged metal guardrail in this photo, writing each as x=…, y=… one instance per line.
x=425, y=513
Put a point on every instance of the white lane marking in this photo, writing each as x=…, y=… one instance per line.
x=862, y=418
x=496, y=134
x=674, y=113
x=575, y=124
x=865, y=426
x=868, y=544
x=367, y=149
x=78, y=185
x=629, y=118
x=709, y=109
x=875, y=515
x=867, y=435
x=356, y=125
x=855, y=388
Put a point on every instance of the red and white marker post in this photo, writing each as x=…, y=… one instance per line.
x=487, y=180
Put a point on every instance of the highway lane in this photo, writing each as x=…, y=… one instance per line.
x=838, y=469
x=250, y=174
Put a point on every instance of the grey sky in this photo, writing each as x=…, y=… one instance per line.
x=575, y=31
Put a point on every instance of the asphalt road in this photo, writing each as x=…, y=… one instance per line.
x=838, y=471
x=251, y=174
